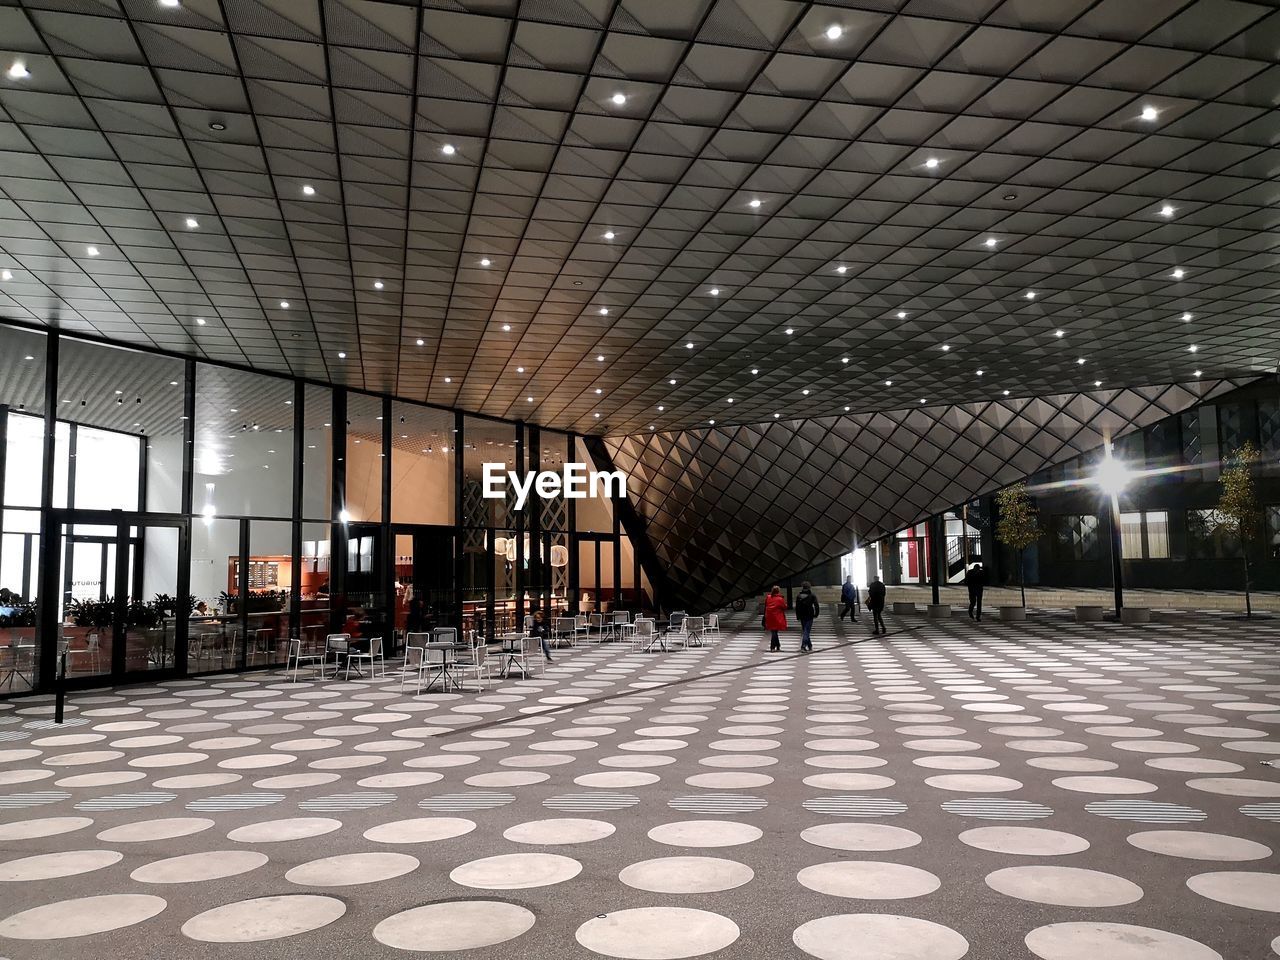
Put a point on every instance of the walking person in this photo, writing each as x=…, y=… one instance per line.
x=775, y=616
x=849, y=600
x=975, y=578
x=875, y=603
x=807, y=608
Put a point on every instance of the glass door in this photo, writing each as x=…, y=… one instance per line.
x=116, y=614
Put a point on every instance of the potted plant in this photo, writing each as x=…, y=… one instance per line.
x=1017, y=526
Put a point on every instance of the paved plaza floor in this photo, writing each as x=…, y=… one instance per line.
x=1042, y=789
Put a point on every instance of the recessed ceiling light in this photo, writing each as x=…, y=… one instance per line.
x=597, y=416
x=902, y=314
x=192, y=223
x=448, y=379
x=805, y=392
x=888, y=383
x=672, y=382
x=932, y=163
x=308, y=190
x=1178, y=274
x=342, y=356
x=1198, y=372
x=652, y=427
x=1193, y=348
x=1006, y=393
x=200, y=321
x=1010, y=196
x=600, y=357
x=506, y=328
x=776, y=416
x=608, y=235
x=1080, y=361
x=528, y=399
x=1166, y=211
x=377, y=284
x=835, y=32
x=217, y=126
x=1030, y=294
x=689, y=346
x=790, y=331
x=421, y=342
x=448, y=150
x=847, y=409
x=842, y=269
x=754, y=204
x=604, y=311
x=981, y=372
x=844, y=359
x=619, y=99
x=991, y=241
x=946, y=347
x=1150, y=113
x=485, y=261
x=169, y=3
x=1059, y=333
x=1186, y=317
x=519, y=369
x=755, y=371
x=660, y=409
x=91, y=251
x=922, y=400
x=1097, y=383
x=18, y=71
x=284, y=304
x=715, y=291
x=28, y=357
x=599, y=391
x=731, y=399
x=6, y=274
x=712, y=422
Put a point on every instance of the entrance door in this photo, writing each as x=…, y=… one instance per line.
x=114, y=609
x=909, y=560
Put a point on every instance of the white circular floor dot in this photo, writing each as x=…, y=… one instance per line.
x=1114, y=941
x=350, y=869
x=865, y=837
x=516, y=871
x=1064, y=886
x=142, y=831
x=705, y=833
x=1196, y=845
x=868, y=880
x=686, y=875
x=1252, y=891
x=1024, y=841
x=277, y=831
x=657, y=933
x=50, y=866
x=878, y=936
x=264, y=918
x=81, y=917
x=454, y=926
x=558, y=831
x=196, y=867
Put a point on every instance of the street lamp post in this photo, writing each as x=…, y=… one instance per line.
x=1113, y=476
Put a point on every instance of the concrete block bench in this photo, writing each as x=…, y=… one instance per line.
x=900, y=606
x=1013, y=613
x=1135, y=615
x=1088, y=613
x=939, y=611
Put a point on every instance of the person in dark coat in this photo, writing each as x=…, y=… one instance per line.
x=775, y=616
x=542, y=631
x=807, y=608
x=975, y=578
x=875, y=603
x=849, y=600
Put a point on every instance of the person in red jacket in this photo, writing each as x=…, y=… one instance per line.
x=775, y=616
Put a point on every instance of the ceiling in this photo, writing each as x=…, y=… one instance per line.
x=448, y=194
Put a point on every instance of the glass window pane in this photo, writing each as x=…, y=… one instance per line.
x=215, y=558
x=594, y=512
x=487, y=441
x=24, y=457
x=128, y=392
x=243, y=443
x=314, y=574
x=1131, y=535
x=421, y=464
x=317, y=453
x=107, y=466
x=271, y=575
x=1158, y=535
x=364, y=458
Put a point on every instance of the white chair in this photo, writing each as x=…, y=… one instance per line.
x=92, y=652
x=477, y=661
x=645, y=635
x=373, y=655
x=415, y=665
x=339, y=645
x=297, y=658
x=693, y=627
x=713, y=625
x=439, y=662
x=582, y=627
x=595, y=621
x=515, y=654
x=563, y=630
x=676, y=632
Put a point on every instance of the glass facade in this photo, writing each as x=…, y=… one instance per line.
x=175, y=516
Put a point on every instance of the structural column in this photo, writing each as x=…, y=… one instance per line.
x=1117, y=551
x=937, y=557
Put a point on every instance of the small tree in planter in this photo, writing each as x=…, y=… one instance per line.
x=1017, y=524
x=1238, y=509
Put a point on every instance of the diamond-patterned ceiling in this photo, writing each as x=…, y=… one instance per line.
x=452, y=193
x=731, y=510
